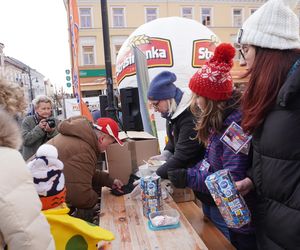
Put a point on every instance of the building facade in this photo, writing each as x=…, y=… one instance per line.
x=223, y=17
x=19, y=73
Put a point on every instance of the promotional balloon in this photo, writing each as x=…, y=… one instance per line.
x=177, y=44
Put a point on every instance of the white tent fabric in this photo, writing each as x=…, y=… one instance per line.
x=176, y=44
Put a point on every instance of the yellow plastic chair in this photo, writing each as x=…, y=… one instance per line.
x=72, y=233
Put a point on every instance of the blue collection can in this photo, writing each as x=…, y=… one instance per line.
x=151, y=194
x=231, y=204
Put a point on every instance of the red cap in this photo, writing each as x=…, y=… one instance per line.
x=109, y=127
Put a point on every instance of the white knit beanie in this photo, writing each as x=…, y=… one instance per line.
x=274, y=25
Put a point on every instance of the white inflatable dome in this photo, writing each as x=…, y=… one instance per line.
x=176, y=44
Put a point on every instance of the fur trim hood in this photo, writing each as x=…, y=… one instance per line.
x=10, y=135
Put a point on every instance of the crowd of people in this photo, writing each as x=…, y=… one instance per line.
x=59, y=168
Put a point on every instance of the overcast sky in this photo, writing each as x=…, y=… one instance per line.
x=36, y=33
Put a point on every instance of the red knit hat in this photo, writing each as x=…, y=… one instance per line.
x=214, y=80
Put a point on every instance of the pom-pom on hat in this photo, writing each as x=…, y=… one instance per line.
x=214, y=80
x=109, y=127
x=47, y=150
x=274, y=25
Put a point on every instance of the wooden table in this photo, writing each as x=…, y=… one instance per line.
x=124, y=217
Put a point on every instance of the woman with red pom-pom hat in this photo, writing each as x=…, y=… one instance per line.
x=216, y=105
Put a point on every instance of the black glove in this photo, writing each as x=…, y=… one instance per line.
x=126, y=189
x=178, y=177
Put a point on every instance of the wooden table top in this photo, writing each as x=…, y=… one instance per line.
x=124, y=217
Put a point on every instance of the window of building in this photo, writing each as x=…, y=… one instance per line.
x=151, y=13
x=87, y=50
x=88, y=55
x=187, y=12
x=237, y=17
x=117, y=48
x=85, y=17
x=116, y=42
x=206, y=15
x=252, y=11
x=118, y=15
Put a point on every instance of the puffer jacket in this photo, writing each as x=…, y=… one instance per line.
x=276, y=170
x=77, y=147
x=22, y=225
x=186, y=150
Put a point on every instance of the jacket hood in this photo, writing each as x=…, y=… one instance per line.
x=10, y=135
x=183, y=104
x=290, y=89
x=79, y=126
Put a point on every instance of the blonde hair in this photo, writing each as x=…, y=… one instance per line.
x=12, y=98
x=212, y=117
x=10, y=134
x=41, y=98
x=172, y=105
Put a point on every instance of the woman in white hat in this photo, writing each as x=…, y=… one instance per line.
x=270, y=44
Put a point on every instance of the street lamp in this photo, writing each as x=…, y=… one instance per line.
x=111, y=109
x=28, y=71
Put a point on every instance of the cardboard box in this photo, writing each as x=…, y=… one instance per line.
x=182, y=194
x=123, y=160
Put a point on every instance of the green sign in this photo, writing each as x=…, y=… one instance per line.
x=68, y=78
x=68, y=71
x=92, y=73
x=69, y=84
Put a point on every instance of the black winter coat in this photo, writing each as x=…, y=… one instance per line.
x=186, y=151
x=276, y=170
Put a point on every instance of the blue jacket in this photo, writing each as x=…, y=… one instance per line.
x=219, y=156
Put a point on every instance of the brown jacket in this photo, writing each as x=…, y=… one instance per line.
x=77, y=147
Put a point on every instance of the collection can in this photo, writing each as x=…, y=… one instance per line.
x=231, y=204
x=151, y=194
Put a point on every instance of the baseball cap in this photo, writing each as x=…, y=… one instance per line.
x=109, y=127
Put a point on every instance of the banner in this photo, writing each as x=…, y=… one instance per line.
x=72, y=107
x=142, y=77
x=176, y=44
x=74, y=35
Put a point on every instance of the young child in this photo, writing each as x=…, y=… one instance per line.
x=49, y=181
x=216, y=105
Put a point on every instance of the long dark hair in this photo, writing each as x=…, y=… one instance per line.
x=267, y=75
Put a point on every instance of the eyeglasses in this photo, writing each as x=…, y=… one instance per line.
x=243, y=49
x=154, y=104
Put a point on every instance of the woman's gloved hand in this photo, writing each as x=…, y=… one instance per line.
x=178, y=177
x=164, y=156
